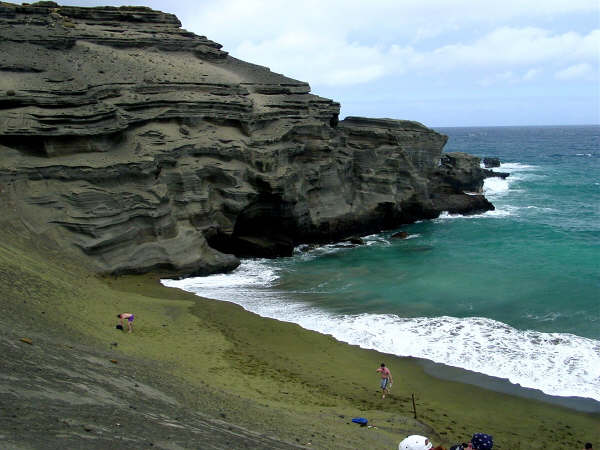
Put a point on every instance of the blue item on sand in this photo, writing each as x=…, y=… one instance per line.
x=482, y=441
x=360, y=420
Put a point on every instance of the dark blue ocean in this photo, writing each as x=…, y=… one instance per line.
x=513, y=293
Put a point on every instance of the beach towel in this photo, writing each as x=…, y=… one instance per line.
x=360, y=420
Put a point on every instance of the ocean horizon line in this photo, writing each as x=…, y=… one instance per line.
x=517, y=126
x=429, y=125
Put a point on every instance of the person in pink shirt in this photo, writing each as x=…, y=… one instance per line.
x=386, y=379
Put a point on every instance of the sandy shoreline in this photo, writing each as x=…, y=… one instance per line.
x=504, y=386
x=559, y=365
x=489, y=382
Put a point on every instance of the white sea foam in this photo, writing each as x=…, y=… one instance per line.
x=495, y=186
x=252, y=273
x=376, y=239
x=497, y=214
x=541, y=208
x=556, y=363
x=522, y=172
x=308, y=252
x=497, y=189
x=516, y=167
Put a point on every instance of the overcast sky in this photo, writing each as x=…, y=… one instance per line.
x=440, y=62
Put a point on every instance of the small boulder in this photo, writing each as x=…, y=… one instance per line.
x=43, y=4
x=27, y=341
x=487, y=173
x=356, y=240
x=491, y=161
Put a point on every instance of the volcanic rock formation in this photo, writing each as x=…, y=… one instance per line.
x=149, y=148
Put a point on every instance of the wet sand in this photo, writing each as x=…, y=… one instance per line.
x=504, y=386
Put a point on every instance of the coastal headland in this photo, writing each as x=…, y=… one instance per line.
x=149, y=148
x=132, y=149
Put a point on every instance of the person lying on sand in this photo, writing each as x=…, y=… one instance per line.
x=386, y=379
x=129, y=317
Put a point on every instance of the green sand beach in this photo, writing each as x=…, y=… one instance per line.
x=273, y=378
x=133, y=143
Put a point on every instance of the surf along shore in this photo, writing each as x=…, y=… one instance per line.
x=203, y=373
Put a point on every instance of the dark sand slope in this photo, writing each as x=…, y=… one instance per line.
x=58, y=394
x=207, y=372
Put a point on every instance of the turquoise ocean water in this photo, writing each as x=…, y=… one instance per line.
x=513, y=293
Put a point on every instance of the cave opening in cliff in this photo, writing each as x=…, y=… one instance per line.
x=265, y=228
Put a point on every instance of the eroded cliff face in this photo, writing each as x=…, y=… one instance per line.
x=147, y=147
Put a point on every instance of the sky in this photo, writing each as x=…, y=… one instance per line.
x=439, y=62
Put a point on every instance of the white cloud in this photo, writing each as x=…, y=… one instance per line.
x=578, y=71
x=531, y=74
x=335, y=60
x=520, y=46
x=503, y=77
x=304, y=56
x=234, y=21
x=509, y=77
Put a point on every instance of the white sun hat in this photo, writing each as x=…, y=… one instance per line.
x=415, y=442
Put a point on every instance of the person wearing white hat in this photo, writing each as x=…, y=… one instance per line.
x=415, y=442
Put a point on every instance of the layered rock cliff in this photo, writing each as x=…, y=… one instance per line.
x=148, y=147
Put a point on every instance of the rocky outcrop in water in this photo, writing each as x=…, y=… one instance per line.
x=491, y=161
x=148, y=147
